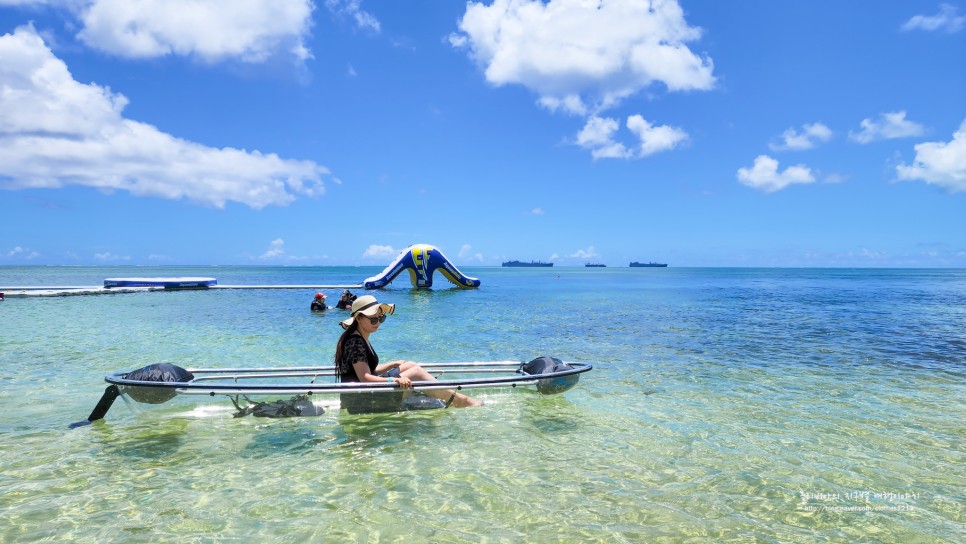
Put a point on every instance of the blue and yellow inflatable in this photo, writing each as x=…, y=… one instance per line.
x=422, y=261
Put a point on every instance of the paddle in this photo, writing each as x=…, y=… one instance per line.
x=103, y=405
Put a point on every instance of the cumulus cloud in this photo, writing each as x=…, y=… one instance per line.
x=599, y=136
x=889, y=126
x=466, y=253
x=376, y=250
x=588, y=253
x=764, y=175
x=536, y=211
x=353, y=10
x=56, y=131
x=947, y=20
x=21, y=253
x=939, y=163
x=654, y=139
x=276, y=250
x=211, y=30
x=581, y=56
x=107, y=256
x=810, y=135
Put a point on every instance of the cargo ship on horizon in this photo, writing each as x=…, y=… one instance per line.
x=636, y=264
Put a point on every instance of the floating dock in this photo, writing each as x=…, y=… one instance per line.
x=167, y=283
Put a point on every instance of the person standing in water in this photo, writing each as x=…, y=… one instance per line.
x=356, y=361
x=345, y=301
x=318, y=303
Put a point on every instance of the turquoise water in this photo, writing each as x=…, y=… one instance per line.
x=742, y=405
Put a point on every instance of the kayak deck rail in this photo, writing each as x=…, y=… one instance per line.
x=205, y=379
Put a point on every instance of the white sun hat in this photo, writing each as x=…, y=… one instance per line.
x=368, y=306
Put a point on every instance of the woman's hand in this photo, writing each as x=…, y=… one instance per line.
x=404, y=382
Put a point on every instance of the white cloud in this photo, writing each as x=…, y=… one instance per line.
x=351, y=9
x=465, y=254
x=588, y=253
x=889, y=126
x=536, y=211
x=835, y=177
x=598, y=135
x=376, y=250
x=56, y=131
x=947, y=20
x=212, y=30
x=276, y=250
x=572, y=103
x=107, y=256
x=654, y=139
x=764, y=175
x=580, y=55
x=939, y=163
x=807, y=139
x=21, y=253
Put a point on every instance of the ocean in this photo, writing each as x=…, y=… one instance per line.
x=725, y=405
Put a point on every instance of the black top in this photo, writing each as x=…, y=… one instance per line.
x=318, y=306
x=355, y=349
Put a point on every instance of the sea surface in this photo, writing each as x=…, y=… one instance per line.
x=725, y=405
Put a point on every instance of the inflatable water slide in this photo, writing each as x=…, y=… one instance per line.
x=422, y=261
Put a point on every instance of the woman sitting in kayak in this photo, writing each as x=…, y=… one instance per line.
x=356, y=361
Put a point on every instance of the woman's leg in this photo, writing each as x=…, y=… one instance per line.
x=415, y=373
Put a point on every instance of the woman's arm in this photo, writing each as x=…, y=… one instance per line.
x=388, y=366
x=362, y=372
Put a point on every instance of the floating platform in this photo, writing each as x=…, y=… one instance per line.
x=66, y=291
x=166, y=283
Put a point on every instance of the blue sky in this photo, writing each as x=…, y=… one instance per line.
x=699, y=133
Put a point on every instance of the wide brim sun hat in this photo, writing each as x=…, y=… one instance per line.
x=368, y=306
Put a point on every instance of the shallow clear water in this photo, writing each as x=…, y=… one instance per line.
x=759, y=405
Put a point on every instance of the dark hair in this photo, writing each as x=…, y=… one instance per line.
x=351, y=329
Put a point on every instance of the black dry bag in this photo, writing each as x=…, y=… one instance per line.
x=545, y=365
x=159, y=372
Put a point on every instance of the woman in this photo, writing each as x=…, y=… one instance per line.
x=356, y=361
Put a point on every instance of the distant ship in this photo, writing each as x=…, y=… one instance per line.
x=531, y=263
x=595, y=265
x=636, y=264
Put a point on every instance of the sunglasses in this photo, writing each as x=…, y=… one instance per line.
x=376, y=320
